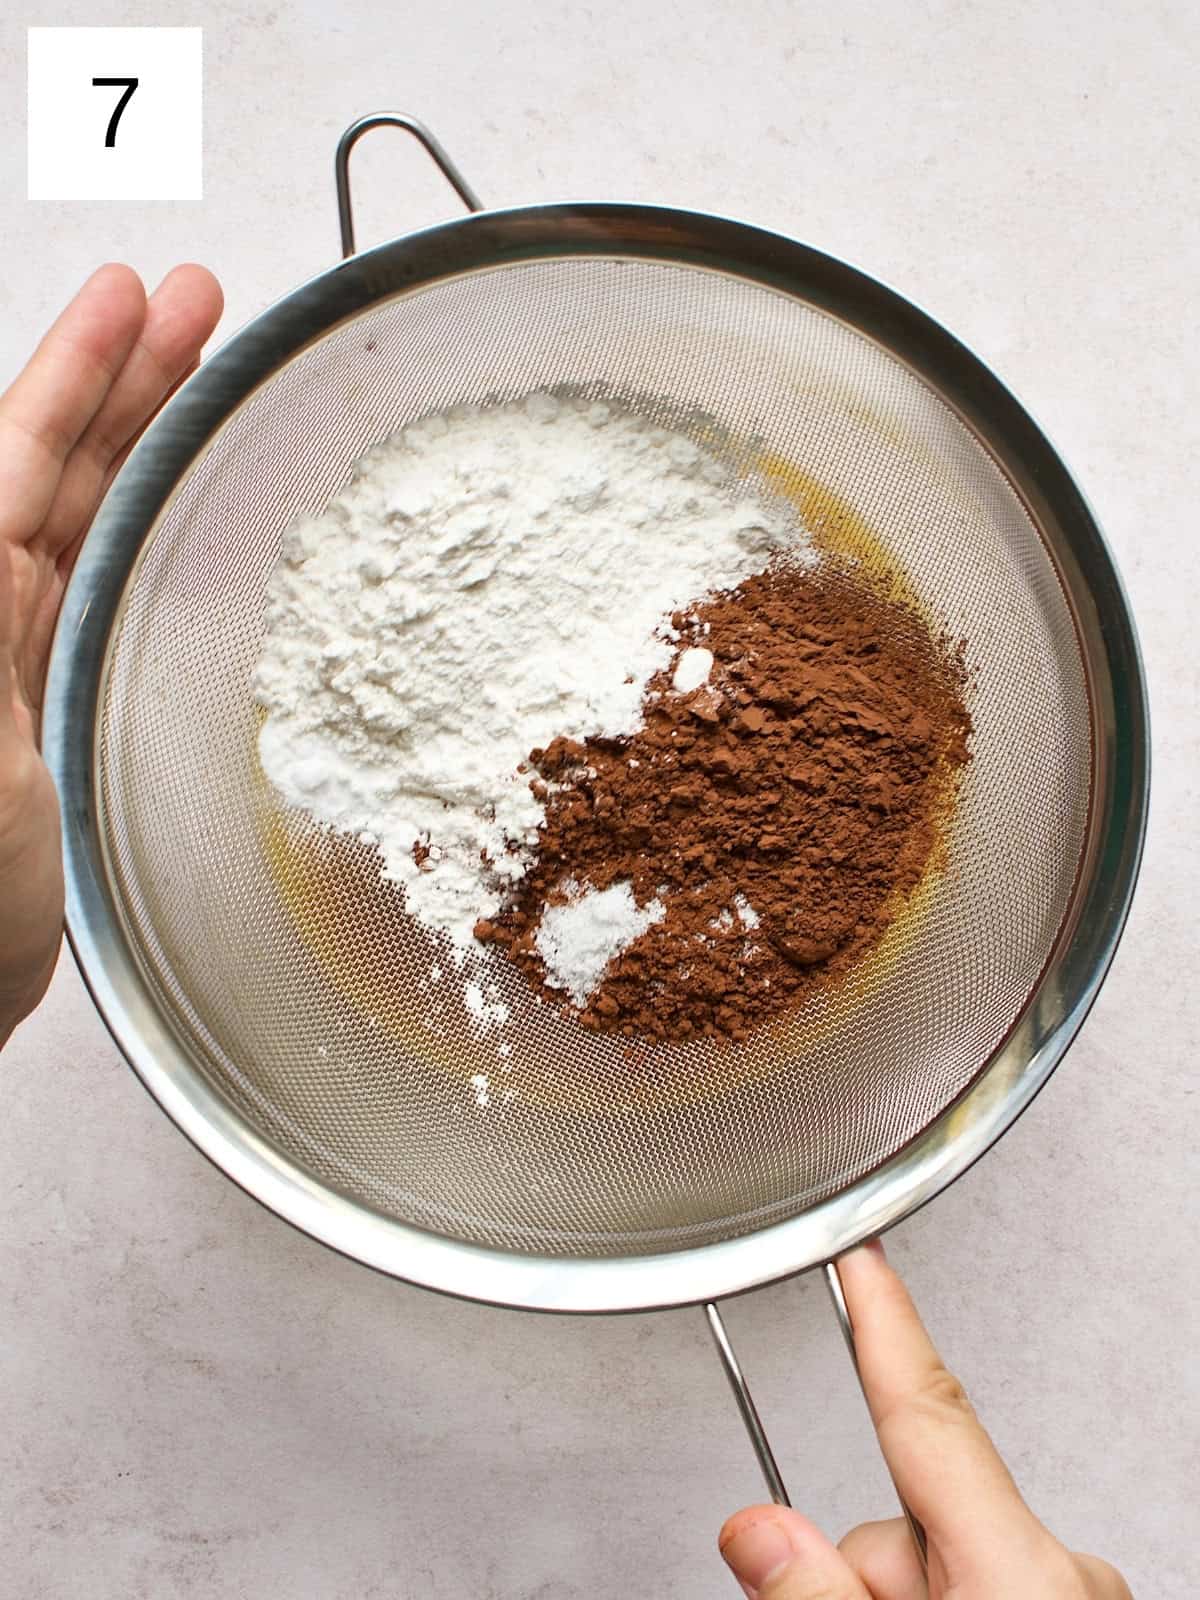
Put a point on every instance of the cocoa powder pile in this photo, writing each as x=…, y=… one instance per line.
x=779, y=812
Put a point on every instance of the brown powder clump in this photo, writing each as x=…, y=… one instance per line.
x=780, y=812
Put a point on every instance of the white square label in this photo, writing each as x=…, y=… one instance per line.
x=115, y=114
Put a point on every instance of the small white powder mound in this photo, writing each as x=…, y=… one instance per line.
x=488, y=579
x=747, y=915
x=744, y=912
x=692, y=669
x=579, y=938
x=488, y=1011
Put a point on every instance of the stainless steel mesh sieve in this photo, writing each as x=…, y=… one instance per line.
x=270, y=989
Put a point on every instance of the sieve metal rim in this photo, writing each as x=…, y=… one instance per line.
x=1055, y=1008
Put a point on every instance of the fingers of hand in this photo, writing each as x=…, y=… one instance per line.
x=885, y=1558
x=777, y=1554
x=943, y=1461
x=51, y=403
x=180, y=316
x=8, y=638
x=31, y=878
x=1102, y=1582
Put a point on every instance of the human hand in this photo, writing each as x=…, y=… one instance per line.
x=984, y=1541
x=66, y=423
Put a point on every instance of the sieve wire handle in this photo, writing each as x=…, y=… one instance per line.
x=391, y=119
x=745, y=1404
x=753, y=1422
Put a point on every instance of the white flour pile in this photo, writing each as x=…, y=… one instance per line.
x=578, y=938
x=692, y=669
x=488, y=580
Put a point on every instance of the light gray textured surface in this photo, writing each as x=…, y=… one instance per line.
x=198, y=1401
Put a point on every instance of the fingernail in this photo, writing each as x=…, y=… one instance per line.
x=756, y=1553
x=872, y=1247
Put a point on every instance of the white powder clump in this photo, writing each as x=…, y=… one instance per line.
x=577, y=939
x=744, y=912
x=692, y=669
x=489, y=579
x=487, y=1011
x=747, y=915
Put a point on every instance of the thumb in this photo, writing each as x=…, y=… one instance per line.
x=776, y=1554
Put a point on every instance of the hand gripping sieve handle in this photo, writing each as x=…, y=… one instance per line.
x=391, y=119
x=749, y=1411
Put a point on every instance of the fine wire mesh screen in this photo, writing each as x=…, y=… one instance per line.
x=315, y=1003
